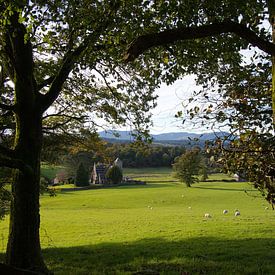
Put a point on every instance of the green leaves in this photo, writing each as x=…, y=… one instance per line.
x=187, y=166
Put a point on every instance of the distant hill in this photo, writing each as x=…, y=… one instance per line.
x=176, y=137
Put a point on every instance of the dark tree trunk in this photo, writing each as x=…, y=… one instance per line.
x=23, y=249
x=9, y=270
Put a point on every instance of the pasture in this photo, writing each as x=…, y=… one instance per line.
x=158, y=228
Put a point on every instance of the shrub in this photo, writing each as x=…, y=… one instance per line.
x=82, y=176
x=114, y=174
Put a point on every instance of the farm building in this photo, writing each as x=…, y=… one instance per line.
x=99, y=172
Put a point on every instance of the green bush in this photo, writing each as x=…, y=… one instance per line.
x=114, y=174
x=82, y=176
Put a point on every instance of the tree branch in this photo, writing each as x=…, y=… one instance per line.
x=147, y=41
x=6, y=107
x=61, y=124
x=45, y=82
x=16, y=164
x=72, y=56
x=68, y=63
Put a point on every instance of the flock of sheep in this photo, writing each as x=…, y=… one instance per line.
x=237, y=213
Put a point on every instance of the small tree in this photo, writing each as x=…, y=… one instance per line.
x=188, y=166
x=114, y=174
x=82, y=176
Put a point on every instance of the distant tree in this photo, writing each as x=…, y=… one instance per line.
x=187, y=166
x=82, y=176
x=114, y=174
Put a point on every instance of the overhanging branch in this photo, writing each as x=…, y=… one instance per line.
x=16, y=164
x=147, y=41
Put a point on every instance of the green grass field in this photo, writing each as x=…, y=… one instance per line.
x=158, y=228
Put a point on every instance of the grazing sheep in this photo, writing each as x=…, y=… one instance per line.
x=266, y=208
x=237, y=213
x=225, y=211
x=207, y=215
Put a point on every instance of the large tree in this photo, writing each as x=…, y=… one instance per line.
x=230, y=25
x=67, y=54
x=64, y=55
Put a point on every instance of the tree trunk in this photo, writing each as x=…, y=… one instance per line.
x=271, y=10
x=23, y=249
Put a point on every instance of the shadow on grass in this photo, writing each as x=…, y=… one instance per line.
x=221, y=180
x=149, y=184
x=218, y=189
x=203, y=255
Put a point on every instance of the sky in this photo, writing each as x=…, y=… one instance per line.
x=170, y=99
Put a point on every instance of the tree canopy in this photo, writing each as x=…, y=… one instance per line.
x=61, y=61
x=210, y=43
x=61, y=68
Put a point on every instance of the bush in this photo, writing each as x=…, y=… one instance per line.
x=114, y=174
x=82, y=176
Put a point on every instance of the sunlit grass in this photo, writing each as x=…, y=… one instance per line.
x=158, y=227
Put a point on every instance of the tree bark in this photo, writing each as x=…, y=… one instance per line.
x=23, y=249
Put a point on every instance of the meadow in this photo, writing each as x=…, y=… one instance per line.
x=158, y=228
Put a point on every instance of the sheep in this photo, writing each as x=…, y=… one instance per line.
x=237, y=213
x=225, y=211
x=207, y=215
x=266, y=208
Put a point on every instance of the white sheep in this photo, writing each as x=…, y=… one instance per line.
x=207, y=215
x=225, y=211
x=237, y=213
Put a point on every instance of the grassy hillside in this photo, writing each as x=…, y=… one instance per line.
x=159, y=227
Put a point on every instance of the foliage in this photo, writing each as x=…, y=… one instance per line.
x=67, y=55
x=187, y=166
x=237, y=89
x=146, y=156
x=244, y=106
x=82, y=176
x=114, y=174
x=61, y=70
